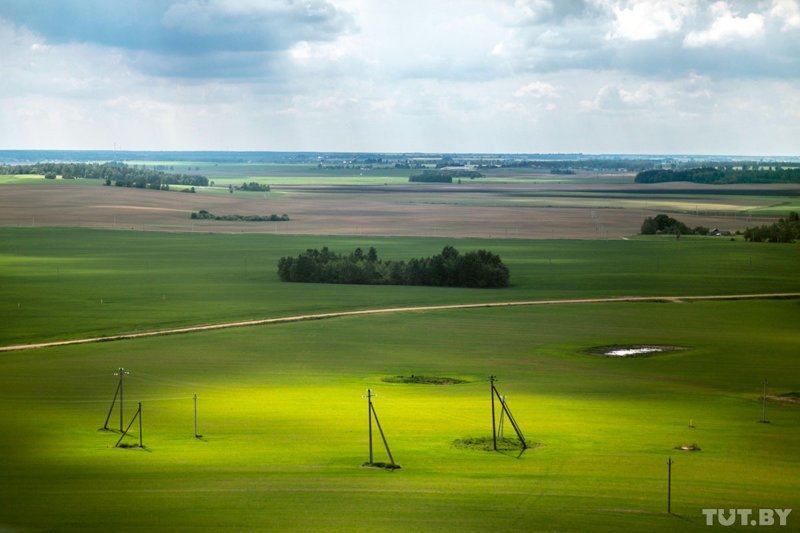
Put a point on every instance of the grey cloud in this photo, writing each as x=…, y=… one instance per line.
x=208, y=32
x=532, y=12
x=584, y=40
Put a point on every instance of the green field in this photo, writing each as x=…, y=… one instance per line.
x=71, y=283
x=281, y=409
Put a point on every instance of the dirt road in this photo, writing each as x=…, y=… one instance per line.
x=299, y=318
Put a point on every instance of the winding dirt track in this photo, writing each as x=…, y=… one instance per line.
x=299, y=318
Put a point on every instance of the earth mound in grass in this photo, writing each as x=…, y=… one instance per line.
x=792, y=398
x=385, y=466
x=424, y=380
x=486, y=444
x=633, y=350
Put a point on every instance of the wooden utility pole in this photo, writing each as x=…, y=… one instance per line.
x=494, y=427
x=369, y=417
x=371, y=413
x=764, y=404
x=195, y=416
x=121, y=373
x=669, y=485
x=118, y=393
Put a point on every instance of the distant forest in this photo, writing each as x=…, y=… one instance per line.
x=714, y=175
x=477, y=269
x=119, y=174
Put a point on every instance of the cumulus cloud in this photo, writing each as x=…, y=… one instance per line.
x=453, y=75
x=649, y=19
x=536, y=89
x=726, y=27
x=788, y=12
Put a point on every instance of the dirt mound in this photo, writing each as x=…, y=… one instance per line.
x=425, y=380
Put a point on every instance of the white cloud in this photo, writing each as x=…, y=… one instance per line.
x=614, y=99
x=726, y=28
x=537, y=89
x=412, y=75
x=788, y=11
x=649, y=19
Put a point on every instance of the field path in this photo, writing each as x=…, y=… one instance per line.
x=321, y=316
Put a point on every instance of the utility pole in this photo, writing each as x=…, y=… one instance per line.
x=369, y=415
x=494, y=428
x=764, y=404
x=669, y=485
x=121, y=373
x=118, y=393
x=140, y=426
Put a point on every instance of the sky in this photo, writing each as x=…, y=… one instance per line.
x=478, y=76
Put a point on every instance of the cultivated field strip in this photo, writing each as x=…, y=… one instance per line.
x=322, y=316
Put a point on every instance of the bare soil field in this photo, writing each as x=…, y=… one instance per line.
x=536, y=211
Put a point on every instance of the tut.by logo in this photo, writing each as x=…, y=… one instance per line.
x=746, y=517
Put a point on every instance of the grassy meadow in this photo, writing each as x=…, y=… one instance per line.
x=284, y=427
x=58, y=284
x=281, y=407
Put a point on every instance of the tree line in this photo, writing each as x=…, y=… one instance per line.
x=475, y=269
x=443, y=175
x=721, y=175
x=665, y=224
x=205, y=215
x=117, y=173
x=784, y=230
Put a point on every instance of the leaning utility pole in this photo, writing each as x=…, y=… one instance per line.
x=373, y=414
x=118, y=393
x=506, y=414
x=138, y=415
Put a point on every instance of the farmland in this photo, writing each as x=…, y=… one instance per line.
x=281, y=410
x=582, y=207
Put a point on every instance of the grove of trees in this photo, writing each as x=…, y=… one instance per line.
x=667, y=224
x=205, y=215
x=476, y=269
x=784, y=230
x=443, y=175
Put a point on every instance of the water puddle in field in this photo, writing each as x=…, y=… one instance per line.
x=636, y=350
x=625, y=352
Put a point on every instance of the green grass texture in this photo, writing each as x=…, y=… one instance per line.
x=60, y=284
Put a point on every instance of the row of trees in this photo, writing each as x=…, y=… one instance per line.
x=253, y=186
x=443, y=175
x=667, y=224
x=784, y=230
x=476, y=269
x=118, y=173
x=721, y=175
x=205, y=215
